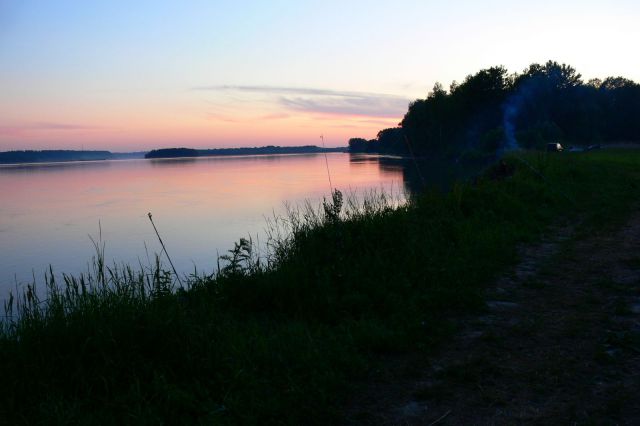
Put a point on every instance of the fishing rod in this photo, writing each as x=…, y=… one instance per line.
x=164, y=248
x=327, y=164
x=543, y=177
x=415, y=162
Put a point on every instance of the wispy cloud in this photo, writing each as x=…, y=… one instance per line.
x=365, y=106
x=325, y=101
x=44, y=126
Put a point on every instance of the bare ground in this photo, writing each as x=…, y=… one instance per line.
x=559, y=344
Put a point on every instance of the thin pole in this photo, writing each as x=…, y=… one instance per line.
x=327, y=163
x=164, y=248
x=415, y=162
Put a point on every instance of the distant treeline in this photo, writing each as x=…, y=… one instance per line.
x=172, y=153
x=51, y=155
x=188, y=152
x=494, y=110
x=13, y=157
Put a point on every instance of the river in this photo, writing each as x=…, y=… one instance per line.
x=50, y=211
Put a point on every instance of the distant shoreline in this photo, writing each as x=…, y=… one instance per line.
x=264, y=150
x=58, y=156
x=61, y=156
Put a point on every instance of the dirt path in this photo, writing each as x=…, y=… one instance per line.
x=559, y=344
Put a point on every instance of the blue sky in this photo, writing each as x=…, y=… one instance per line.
x=126, y=75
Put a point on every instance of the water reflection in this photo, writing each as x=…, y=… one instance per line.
x=201, y=206
x=171, y=162
x=421, y=173
x=226, y=159
x=6, y=169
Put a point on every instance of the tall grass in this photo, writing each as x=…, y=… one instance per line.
x=276, y=337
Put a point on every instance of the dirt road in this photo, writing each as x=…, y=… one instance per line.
x=559, y=344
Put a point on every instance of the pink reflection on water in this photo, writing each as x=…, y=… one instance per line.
x=201, y=206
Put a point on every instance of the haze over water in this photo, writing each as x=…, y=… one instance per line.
x=200, y=206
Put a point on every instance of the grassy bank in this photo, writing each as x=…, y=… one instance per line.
x=280, y=339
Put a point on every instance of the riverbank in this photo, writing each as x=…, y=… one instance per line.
x=557, y=343
x=289, y=338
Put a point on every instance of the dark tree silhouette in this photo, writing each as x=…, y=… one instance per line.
x=493, y=110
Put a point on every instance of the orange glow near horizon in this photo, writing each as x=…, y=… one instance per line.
x=215, y=117
x=148, y=131
x=129, y=76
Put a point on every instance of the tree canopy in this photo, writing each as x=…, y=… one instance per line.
x=494, y=110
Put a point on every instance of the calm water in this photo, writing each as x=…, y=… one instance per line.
x=200, y=206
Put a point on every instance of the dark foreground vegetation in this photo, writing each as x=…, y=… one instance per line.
x=263, y=150
x=281, y=339
x=492, y=109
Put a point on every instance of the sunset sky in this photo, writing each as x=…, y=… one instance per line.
x=135, y=75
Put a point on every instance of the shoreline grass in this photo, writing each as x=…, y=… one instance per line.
x=278, y=339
